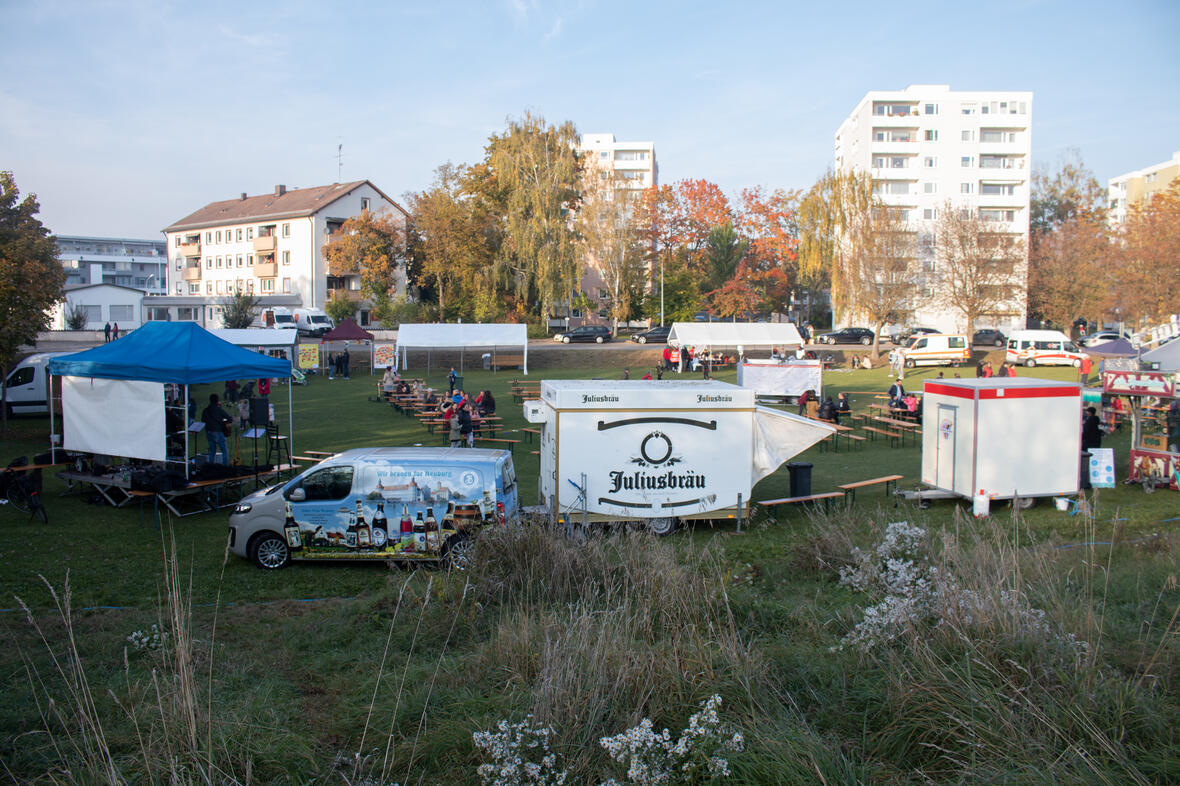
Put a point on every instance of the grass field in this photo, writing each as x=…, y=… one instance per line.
x=360, y=673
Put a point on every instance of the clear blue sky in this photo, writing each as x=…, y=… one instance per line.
x=126, y=115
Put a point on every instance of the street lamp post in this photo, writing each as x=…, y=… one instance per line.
x=661, y=290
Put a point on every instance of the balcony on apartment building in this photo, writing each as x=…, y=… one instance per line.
x=192, y=272
x=190, y=247
x=1001, y=162
x=895, y=110
x=266, y=269
x=265, y=243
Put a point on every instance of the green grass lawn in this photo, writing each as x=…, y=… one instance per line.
x=305, y=659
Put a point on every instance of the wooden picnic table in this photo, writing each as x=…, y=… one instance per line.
x=903, y=427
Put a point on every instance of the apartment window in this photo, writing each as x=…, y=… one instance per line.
x=967, y=161
x=219, y=262
x=604, y=155
x=178, y=241
x=286, y=285
x=932, y=109
x=249, y=233
x=239, y=235
x=966, y=188
x=930, y=213
x=364, y=206
x=267, y=285
x=249, y=285
x=967, y=109
x=209, y=263
x=927, y=265
x=193, y=289
x=897, y=187
x=238, y=285
x=286, y=230
x=930, y=188
x=996, y=135
x=997, y=215
x=929, y=162
x=249, y=260
x=208, y=237
x=878, y=162
x=997, y=189
x=967, y=135
x=208, y=287
x=219, y=291
x=286, y=257
x=931, y=135
x=239, y=260
x=218, y=236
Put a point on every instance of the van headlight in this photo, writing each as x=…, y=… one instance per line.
x=243, y=507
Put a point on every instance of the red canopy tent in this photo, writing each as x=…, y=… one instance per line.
x=348, y=330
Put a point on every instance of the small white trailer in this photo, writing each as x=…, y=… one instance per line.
x=658, y=451
x=1001, y=437
x=788, y=378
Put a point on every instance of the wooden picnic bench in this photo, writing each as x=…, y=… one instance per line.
x=849, y=489
x=531, y=432
x=507, y=360
x=893, y=436
x=511, y=443
x=825, y=497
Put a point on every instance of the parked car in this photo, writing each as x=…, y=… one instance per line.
x=849, y=335
x=1042, y=347
x=1101, y=337
x=989, y=336
x=904, y=335
x=935, y=349
x=655, y=335
x=596, y=333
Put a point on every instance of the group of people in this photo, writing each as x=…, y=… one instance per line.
x=986, y=371
x=829, y=410
x=339, y=364
x=110, y=334
x=900, y=399
x=461, y=413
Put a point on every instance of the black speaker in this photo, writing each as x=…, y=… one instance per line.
x=259, y=412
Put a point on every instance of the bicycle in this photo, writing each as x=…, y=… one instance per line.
x=23, y=491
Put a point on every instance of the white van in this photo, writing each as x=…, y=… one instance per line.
x=312, y=321
x=27, y=386
x=1042, y=347
x=400, y=504
x=274, y=317
x=937, y=349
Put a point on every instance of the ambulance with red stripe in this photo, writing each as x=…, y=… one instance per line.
x=937, y=349
x=1042, y=348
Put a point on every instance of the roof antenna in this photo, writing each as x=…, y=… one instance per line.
x=340, y=162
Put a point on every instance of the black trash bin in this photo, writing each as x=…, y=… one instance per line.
x=800, y=478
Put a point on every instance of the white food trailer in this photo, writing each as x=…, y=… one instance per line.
x=787, y=378
x=1000, y=437
x=659, y=451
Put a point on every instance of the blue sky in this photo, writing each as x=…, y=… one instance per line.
x=125, y=115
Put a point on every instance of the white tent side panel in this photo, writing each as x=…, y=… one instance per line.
x=781, y=379
x=735, y=334
x=258, y=337
x=114, y=417
x=779, y=437
x=476, y=335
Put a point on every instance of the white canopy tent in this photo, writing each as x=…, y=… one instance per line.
x=714, y=335
x=1166, y=355
x=270, y=338
x=491, y=336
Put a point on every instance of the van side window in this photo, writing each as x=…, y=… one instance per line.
x=22, y=376
x=1025, y=344
x=920, y=344
x=507, y=475
x=956, y=342
x=328, y=483
x=1048, y=345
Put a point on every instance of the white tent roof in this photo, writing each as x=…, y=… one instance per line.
x=735, y=334
x=1167, y=355
x=258, y=337
x=434, y=336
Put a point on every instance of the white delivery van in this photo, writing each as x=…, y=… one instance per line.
x=407, y=504
x=1042, y=347
x=27, y=386
x=312, y=321
x=937, y=349
x=274, y=317
x=1000, y=437
x=658, y=451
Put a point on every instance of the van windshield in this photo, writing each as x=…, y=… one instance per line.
x=284, y=319
x=318, y=319
x=327, y=483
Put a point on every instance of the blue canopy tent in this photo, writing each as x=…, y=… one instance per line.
x=182, y=353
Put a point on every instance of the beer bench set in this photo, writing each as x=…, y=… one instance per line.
x=847, y=492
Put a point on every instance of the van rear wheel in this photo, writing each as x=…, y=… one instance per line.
x=662, y=526
x=1030, y=363
x=456, y=552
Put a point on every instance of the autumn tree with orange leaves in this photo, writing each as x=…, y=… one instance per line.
x=1148, y=273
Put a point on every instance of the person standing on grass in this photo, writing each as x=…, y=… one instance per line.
x=346, y=364
x=106, y=333
x=1091, y=430
x=115, y=332
x=455, y=432
x=216, y=421
x=452, y=378
x=466, y=430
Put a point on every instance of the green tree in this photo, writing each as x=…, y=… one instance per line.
x=609, y=239
x=983, y=266
x=536, y=171
x=238, y=309
x=340, y=306
x=885, y=270
x=723, y=253
x=75, y=317
x=1070, y=192
x=373, y=246
x=31, y=278
x=832, y=218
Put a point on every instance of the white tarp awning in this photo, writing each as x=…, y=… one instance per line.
x=114, y=417
x=258, y=337
x=780, y=436
x=460, y=336
x=1167, y=355
x=791, y=378
x=735, y=334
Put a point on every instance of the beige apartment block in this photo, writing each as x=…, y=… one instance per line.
x=1134, y=187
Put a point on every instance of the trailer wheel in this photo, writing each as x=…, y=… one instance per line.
x=1030, y=363
x=662, y=526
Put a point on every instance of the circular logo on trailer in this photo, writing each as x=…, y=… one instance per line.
x=656, y=448
x=946, y=428
x=468, y=479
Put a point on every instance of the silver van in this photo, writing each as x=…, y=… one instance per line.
x=27, y=385
x=409, y=504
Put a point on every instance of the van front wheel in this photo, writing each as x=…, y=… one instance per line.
x=1030, y=363
x=662, y=526
x=269, y=551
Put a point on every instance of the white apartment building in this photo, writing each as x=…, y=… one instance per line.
x=1133, y=187
x=271, y=246
x=121, y=261
x=634, y=163
x=927, y=145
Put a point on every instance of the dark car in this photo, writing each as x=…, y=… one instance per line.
x=656, y=335
x=596, y=333
x=850, y=335
x=903, y=336
x=989, y=336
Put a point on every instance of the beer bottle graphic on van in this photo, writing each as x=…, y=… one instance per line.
x=291, y=531
x=407, y=529
x=364, y=533
x=350, y=533
x=431, y=531
x=380, y=528
x=419, y=533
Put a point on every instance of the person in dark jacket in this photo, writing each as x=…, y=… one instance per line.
x=465, y=430
x=1091, y=430
x=827, y=410
x=216, y=421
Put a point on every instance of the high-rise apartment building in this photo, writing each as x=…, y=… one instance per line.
x=139, y=264
x=1133, y=187
x=635, y=162
x=928, y=146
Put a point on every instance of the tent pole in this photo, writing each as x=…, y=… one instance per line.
x=291, y=412
x=52, y=428
x=186, y=425
x=526, y=356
